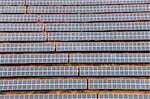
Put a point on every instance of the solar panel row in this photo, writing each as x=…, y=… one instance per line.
x=27, y=47
x=75, y=46
x=33, y=58
x=103, y=46
x=115, y=71
x=89, y=9
x=21, y=27
x=68, y=2
x=74, y=36
x=12, y=9
x=110, y=58
x=94, y=17
x=76, y=9
x=12, y=2
x=79, y=2
x=13, y=71
x=130, y=84
x=49, y=96
x=43, y=84
x=98, y=26
x=74, y=17
x=76, y=96
x=97, y=36
x=18, y=18
x=22, y=36
x=75, y=58
x=124, y=96
x=119, y=84
x=75, y=26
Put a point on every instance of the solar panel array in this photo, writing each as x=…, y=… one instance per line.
x=18, y=18
x=22, y=36
x=75, y=26
x=50, y=96
x=115, y=71
x=12, y=2
x=98, y=26
x=12, y=9
x=21, y=27
x=54, y=84
x=98, y=36
x=110, y=58
x=27, y=47
x=80, y=2
x=64, y=84
x=19, y=71
x=75, y=46
x=103, y=46
x=77, y=96
x=124, y=96
x=33, y=58
x=13, y=71
x=68, y=2
x=89, y=9
x=119, y=84
x=74, y=58
x=94, y=17
x=73, y=17
x=74, y=49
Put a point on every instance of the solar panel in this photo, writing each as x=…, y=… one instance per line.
x=94, y=17
x=124, y=96
x=12, y=2
x=110, y=58
x=130, y=84
x=43, y=84
x=27, y=47
x=103, y=46
x=97, y=36
x=18, y=18
x=33, y=58
x=98, y=26
x=12, y=9
x=82, y=2
x=89, y=9
x=49, y=96
x=21, y=27
x=22, y=36
x=115, y=71
x=19, y=71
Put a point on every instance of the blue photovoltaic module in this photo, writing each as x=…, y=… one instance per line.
x=13, y=71
x=43, y=84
